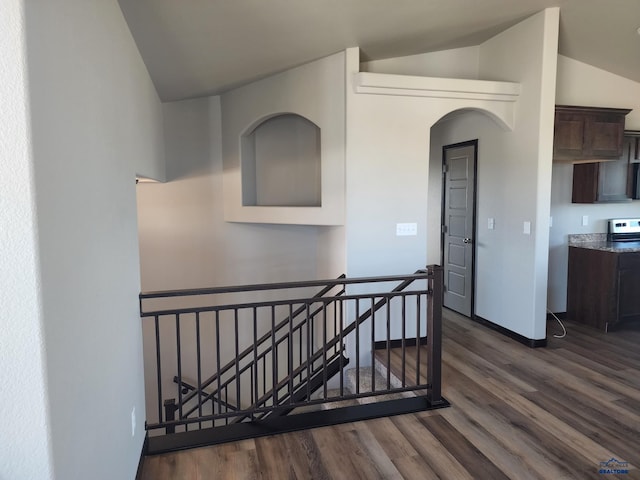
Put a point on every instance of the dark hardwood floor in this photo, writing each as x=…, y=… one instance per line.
x=520, y=413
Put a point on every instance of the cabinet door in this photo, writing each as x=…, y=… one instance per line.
x=568, y=136
x=603, y=135
x=629, y=286
x=585, y=183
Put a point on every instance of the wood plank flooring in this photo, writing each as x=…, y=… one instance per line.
x=520, y=413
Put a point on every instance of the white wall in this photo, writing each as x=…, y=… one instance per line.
x=582, y=84
x=185, y=241
x=388, y=172
x=96, y=122
x=527, y=164
x=514, y=177
x=454, y=63
x=25, y=447
x=388, y=142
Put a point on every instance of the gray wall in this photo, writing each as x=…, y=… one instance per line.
x=24, y=442
x=95, y=123
x=184, y=240
x=392, y=168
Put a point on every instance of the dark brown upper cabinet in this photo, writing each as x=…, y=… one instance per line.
x=610, y=181
x=588, y=134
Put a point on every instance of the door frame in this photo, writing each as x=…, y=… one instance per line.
x=474, y=144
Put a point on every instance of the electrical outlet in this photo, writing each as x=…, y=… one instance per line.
x=526, y=228
x=585, y=220
x=491, y=223
x=133, y=422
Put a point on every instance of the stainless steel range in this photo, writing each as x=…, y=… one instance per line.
x=624, y=230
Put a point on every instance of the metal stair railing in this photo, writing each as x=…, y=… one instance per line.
x=283, y=368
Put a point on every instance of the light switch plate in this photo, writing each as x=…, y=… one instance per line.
x=491, y=223
x=585, y=220
x=527, y=228
x=406, y=229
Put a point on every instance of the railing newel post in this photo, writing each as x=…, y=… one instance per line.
x=434, y=334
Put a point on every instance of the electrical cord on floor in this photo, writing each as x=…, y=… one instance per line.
x=564, y=330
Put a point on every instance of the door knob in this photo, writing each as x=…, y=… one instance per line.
x=466, y=240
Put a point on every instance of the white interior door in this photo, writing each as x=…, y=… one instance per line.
x=458, y=226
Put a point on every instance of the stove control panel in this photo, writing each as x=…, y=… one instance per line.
x=624, y=225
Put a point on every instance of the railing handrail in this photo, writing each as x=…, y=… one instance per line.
x=272, y=303
x=328, y=283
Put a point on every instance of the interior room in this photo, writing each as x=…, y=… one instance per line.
x=156, y=146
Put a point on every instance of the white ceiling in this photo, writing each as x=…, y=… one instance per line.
x=195, y=48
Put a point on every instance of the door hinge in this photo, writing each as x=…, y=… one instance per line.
x=445, y=168
x=444, y=229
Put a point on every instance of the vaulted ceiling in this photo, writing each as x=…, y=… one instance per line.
x=195, y=48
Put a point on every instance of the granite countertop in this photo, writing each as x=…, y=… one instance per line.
x=598, y=241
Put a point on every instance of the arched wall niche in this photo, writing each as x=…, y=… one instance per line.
x=281, y=162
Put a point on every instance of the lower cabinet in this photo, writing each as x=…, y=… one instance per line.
x=628, y=286
x=603, y=287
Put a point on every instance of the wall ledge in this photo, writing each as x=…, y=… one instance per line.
x=435, y=87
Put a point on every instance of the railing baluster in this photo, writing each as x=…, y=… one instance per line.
x=199, y=367
x=335, y=324
x=341, y=343
x=236, y=337
x=373, y=342
x=290, y=356
x=324, y=350
x=274, y=357
x=357, y=346
x=404, y=340
x=300, y=346
x=254, y=370
x=158, y=368
x=388, y=346
x=226, y=398
x=179, y=355
x=251, y=393
x=417, y=339
x=309, y=337
x=218, y=389
x=312, y=343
